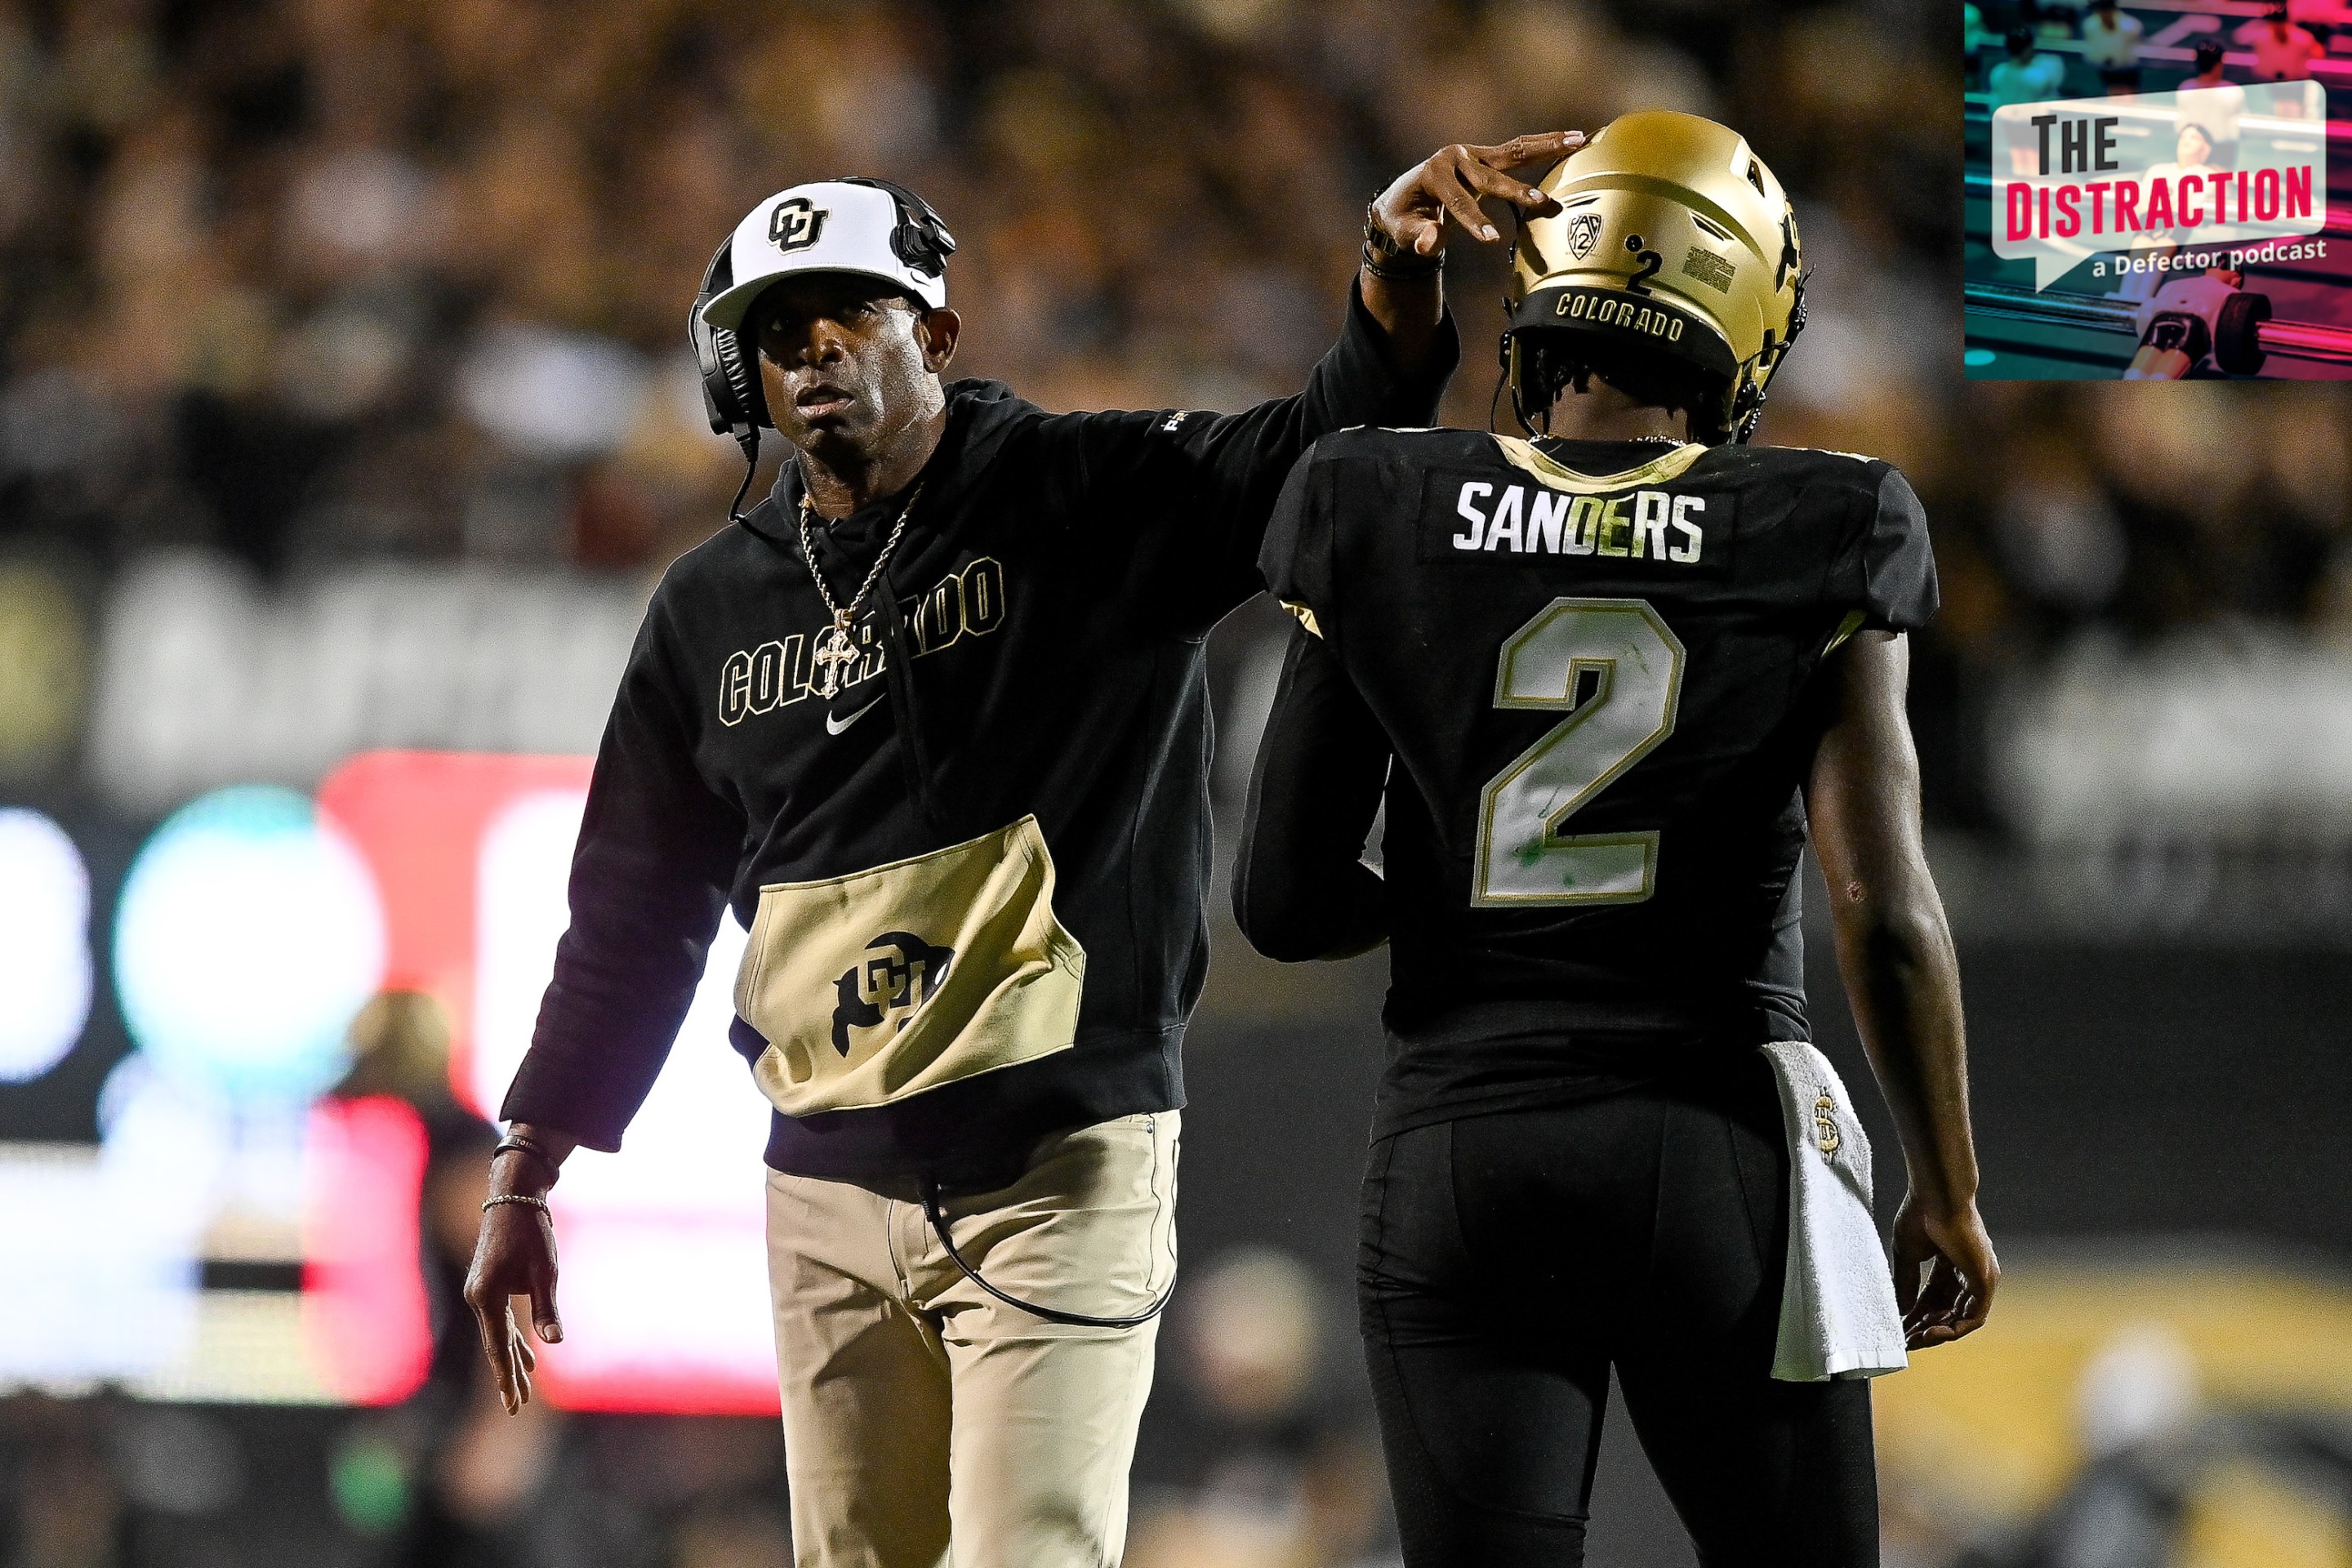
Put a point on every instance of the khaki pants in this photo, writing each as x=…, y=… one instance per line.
x=928, y=1423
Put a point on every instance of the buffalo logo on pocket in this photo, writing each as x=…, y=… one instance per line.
x=1826, y=1123
x=899, y=976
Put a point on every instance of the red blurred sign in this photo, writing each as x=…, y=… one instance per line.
x=665, y=1297
x=364, y=1319
x=419, y=817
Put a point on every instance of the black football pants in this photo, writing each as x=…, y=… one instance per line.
x=1508, y=1260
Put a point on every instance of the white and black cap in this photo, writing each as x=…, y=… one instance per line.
x=858, y=226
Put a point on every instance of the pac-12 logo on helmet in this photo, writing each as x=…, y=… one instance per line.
x=1583, y=234
x=901, y=974
x=796, y=223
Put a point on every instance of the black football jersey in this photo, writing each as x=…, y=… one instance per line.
x=1590, y=662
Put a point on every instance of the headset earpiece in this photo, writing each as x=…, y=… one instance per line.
x=743, y=377
x=730, y=383
x=920, y=238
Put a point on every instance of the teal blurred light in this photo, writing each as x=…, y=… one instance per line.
x=248, y=935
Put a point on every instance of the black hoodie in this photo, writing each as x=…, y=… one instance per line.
x=1035, y=649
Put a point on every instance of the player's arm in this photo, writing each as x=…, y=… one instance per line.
x=1903, y=980
x=1413, y=217
x=1301, y=889
x=1398, y=348
x=1193, y=490
x=656, y=852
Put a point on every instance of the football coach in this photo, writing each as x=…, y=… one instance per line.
x=933, y=718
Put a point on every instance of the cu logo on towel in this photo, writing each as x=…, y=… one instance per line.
x=1826, y=1123
x=900, y=975
x=796, y=223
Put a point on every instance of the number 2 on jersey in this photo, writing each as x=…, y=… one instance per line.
x=1628, y=707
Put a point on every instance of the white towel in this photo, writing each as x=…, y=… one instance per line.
x=1837, y=1302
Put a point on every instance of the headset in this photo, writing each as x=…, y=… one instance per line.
x=919, y=238
x=732, y=395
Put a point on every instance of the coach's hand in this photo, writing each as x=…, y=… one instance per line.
x=515, y=1256
x=1952, y=1246
x=1413, y=211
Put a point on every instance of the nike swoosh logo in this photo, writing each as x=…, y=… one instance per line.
x=834, y=726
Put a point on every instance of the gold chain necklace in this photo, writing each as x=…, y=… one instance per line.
x=834, y=650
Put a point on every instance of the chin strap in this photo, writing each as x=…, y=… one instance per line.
x=1747, y=405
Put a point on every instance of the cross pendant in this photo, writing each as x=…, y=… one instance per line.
x=833, y=652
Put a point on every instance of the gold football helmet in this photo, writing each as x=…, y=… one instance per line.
x=1673, y=262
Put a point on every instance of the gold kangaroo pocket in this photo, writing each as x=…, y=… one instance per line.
x=882, y=984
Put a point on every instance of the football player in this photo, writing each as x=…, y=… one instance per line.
x=1606, y=677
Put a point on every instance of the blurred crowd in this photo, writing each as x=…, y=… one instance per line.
x=2147, y=509
x=2196, y=523
x=314, y=281
x=315, y=278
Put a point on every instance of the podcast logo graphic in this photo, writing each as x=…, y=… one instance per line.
x=2162, y=182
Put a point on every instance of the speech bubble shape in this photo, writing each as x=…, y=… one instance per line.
x=2077, y=178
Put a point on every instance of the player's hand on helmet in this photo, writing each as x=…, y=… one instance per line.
x=1444, y=189
x=1951, y=1246
x=514, y=1255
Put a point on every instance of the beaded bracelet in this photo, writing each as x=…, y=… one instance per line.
x=497, y=1198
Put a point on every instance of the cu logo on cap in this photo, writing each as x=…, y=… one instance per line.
x=796, y=223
